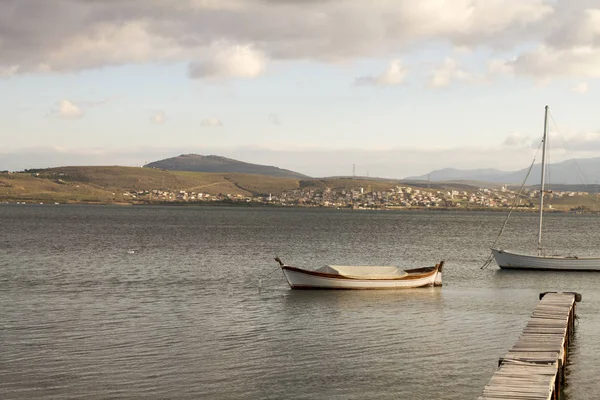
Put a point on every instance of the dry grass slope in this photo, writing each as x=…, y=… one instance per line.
x=107, y=184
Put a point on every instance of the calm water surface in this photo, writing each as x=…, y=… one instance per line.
x=163, y=302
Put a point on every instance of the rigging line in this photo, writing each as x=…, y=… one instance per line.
x=512, y=208
x=572, y=158
x=548, y=183
x=269, y=273
x=578, y=168
x=261, y=277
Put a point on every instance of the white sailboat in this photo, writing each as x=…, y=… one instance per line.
x=510, y=260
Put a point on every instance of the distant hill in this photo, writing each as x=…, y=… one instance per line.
x=571, y=172
x=107, y=184
x=134, y=185
x=452, y=174
x=212, y=163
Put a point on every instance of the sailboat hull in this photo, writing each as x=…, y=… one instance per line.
x=507, y=260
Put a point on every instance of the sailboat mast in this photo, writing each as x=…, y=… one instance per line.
x=542, y=180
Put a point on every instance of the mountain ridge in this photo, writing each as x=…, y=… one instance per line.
x=569, y=172
x=220, y=164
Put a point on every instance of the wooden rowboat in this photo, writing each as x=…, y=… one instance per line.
x=361, y=277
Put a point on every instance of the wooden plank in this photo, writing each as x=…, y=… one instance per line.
x=530, y=369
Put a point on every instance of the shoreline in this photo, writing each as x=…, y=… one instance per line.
x=229, y=203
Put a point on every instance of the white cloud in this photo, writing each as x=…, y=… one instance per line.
x=586, y=141
x=216, y=4
x=109, y=43
x=73, y=34
x=8, y=71
x=548, y=62
x=237, y=38
x=394, y=75
x=158, y=117
x=211, y=122
x=230, y=61
x=448, y=72
x=571, y=46
x=517, y=139
x=473, y=22
x=499, y=67
x=67, y=110
x=579, y=27
x=581, y=88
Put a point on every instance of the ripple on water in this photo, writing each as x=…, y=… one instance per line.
x=183, y=316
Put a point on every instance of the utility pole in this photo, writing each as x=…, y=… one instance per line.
x=353, y=179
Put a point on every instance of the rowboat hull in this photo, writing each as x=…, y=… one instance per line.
x=299, y=278
x=507, y=260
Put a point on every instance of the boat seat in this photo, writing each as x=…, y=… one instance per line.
x=364, y=271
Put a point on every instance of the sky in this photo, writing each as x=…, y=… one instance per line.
x=395, y=88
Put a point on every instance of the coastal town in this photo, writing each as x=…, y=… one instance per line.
x=360, y=198
x=75, y=187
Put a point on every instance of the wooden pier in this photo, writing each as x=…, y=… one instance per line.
x=534, y=368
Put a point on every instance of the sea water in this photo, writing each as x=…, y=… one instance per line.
x=164, y=302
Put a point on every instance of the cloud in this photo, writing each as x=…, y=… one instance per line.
x=578, y=27
x=570, y=46
x=274, y=118
x=500, y=67
x=105, y=44
x=586, y=141
x=211, y=122
x=72, y=35
x=580, y=88
x=8, y=71
x=96, y=103
x=551, y=62
x=394, y=75
x=230, y=61
x=517, y=139
x=222, y=39
x=216, y=4
x=448, y=72
x=158, y=117
x=67, y=110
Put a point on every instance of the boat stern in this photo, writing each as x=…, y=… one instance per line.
x=438, y=276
